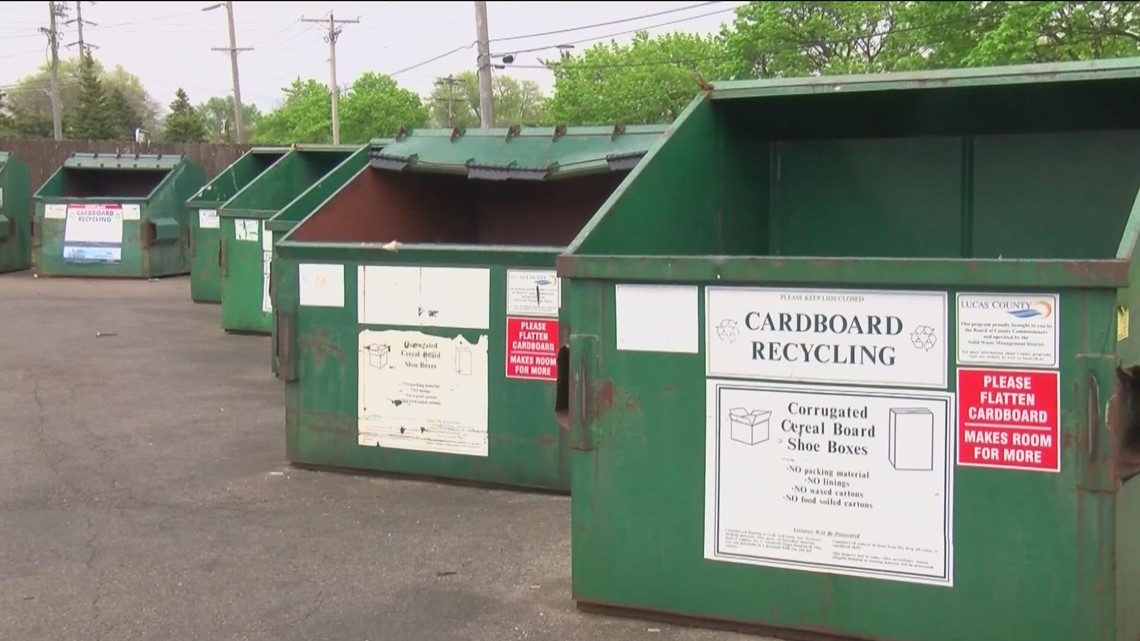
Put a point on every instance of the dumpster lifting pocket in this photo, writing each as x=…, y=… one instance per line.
x=283, y=350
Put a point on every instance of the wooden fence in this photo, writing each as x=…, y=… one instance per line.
x=45, y=156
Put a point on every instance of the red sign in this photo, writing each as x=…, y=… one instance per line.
x=1008, y=418
x=532, y=348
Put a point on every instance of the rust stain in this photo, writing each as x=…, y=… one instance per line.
x=329, y=423
x=633, y=402
x=1097, y=271
x=545, y=440
x=320, y=344
x=600, y=400
x=669, y=388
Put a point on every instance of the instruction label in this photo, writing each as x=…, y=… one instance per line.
x=56, y=211
x=850, y=337
x=423, y=392
x=266, y=268
x=132, y=211
x=828, y=479
x=1008, y=330
x=1009, y=419
x=246, y=229
x=93, y=234
x=208, y=218
x=533, y=292
x=454, y=297
x=532, y=348
x=320, y=285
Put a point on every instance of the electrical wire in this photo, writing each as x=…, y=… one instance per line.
x=603, y=24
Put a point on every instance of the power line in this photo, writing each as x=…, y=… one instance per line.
x=604, y=24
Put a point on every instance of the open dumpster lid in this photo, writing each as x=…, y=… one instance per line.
x=143, y=162
x=517, y=153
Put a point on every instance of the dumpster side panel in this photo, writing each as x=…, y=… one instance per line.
x=642, y=412
x=524, y=445
x=1046, y=181
x=168, y=254
x=832, y=197
x=205, y=241
x=16, y=207
x=687, y=189
x=243, y=271
x=52, y=232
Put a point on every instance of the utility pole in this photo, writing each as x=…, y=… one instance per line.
x=486, y=108
x=52, y=33
x=78, y=21
x=451, y=82
x=233, y=49
x=334, y=89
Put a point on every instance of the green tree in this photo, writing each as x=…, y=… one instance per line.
x=7, y=122
x=90, y=118
x=124, y=119
x=649, y=80
x=183, y=123
x=218, y=114
x=305, y=115
x=376, y=107
x=455, y=101
x=30, y=99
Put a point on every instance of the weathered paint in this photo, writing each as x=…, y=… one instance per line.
x=1012, y=208
x=205, y=275
x=15, y=214
x=154, y=244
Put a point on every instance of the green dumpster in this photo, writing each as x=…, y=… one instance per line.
x=841, y=361
x=115, y=215
x=246, y=246
x=284, y=221
x=205, y=245
x=15, y=214
x=419, y=309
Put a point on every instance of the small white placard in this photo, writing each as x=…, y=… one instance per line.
x=321, y=285
x=533, y=292
x=1008, y=330
x=58, y=211
x=456, y=297
x=1, y=196
x=657, y=318
x=245, y=229
x=208, y=218
x=845, y=336
x=132, y=212
x=266, y=268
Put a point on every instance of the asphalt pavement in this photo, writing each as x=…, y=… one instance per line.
x=144, y=494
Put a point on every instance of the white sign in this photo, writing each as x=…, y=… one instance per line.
x=851, y=337
x=1009, y=330
x=208, y=218
x=533, y=293
x=421, y=392
x=321, y=285
x=458, y=297
x=266, y=268
x=57, y=211
x=657, y=318
x=829, y=479
x=93, y=234
x=132, y=212
x=1, y=196
x=246, y=229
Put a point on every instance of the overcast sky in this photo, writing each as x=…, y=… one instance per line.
x=168, y=44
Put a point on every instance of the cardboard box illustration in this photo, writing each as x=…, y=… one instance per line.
x=463, y=360
x=911, y=439
x=378, y=355
x=749, y=428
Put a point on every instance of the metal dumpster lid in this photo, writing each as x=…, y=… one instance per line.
x=1085, y=70
x=155, y=162
x=517, y=153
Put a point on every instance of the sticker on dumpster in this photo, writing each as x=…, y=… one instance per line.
x=532, y=348
x=1, y=196
x=208, y=218
x=320, y=285
x=849, y=337
x=266, y=267
x=657, y=318
x=838, y=480
x=57, y=211
x=245, y=229
x=533, y=293
x=1008, y=330
x=454, y=297
x=423, y=392
x=132, y=212
x=1009, y=419
x=93, y=234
